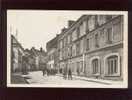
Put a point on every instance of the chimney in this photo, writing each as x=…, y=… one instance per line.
x=41, y=49
x=57, y=35
x=64, y=29
x=70, y=22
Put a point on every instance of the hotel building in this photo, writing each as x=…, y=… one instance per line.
x=92, y=46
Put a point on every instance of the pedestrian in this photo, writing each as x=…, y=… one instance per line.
x=60, y=70
x=43, y=70
x=69, y=74
x=78, y=72
x=65, y=73
x=47, y=71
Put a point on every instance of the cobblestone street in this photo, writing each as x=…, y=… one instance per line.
x=37, y=77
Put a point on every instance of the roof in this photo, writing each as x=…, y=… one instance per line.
x=37, y=52
x=52, y=43
x=17, y=42
x=80, y=18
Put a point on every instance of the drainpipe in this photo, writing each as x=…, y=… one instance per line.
x=83, y=62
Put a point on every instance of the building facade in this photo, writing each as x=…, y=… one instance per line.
x=92, y=46
x=52, y=53
x=17, y=53
x=36, y=59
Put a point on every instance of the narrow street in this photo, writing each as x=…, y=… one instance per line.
x=37, y=77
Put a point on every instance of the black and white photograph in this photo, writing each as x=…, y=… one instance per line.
x=67, y=48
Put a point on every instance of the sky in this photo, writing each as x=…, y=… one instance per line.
x=37, y=27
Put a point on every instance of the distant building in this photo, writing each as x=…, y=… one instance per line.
x=17, y=53
x=31, y=60
x=92, y=46
x=36, y=59
x=52, y=53
x=42, y=59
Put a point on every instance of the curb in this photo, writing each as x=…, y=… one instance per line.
x=89, y=80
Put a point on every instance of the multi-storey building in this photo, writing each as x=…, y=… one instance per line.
x=52, y=53
x=36, y=59
x=92, y=46
x=17, y=53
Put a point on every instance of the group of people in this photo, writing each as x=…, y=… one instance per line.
x=67, y=73
x=48, y=72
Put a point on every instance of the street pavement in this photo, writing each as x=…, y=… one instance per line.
x=18, y=79
x=57, y=80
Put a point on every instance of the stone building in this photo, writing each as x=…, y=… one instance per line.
x=36, y=59
x=42, y=59
x=17, y=52
x=52, y=53
x=92, y=46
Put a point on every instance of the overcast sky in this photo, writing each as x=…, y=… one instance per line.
x=36, y=28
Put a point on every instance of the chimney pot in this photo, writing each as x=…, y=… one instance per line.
x=70, y=22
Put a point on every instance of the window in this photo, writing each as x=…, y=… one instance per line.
x=52, y=57
x=78, y=48
x=65, y=41
x=74, y=35
x=87, y=28
x=68, y=51
x=61, y=45
x=60, y=56
x=102, y=36
x=101, y=19
x=81, y=46
x=78, y=32
x=91, y=23
x=63, y=54
x=96, y=40
x=116, y=31
x=108, y=17
x=82, y=28
x=73, y=50
x=96, y=21
x=112, y=65
x=109, y=34
x=81, y=66
x=87, y=44
x=102, y=32
x=95, y=66
x=69, y=39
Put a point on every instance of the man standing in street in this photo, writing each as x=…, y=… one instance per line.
x=65, y=73
x=69, y=74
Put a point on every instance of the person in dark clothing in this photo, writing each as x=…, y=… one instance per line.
x=48, y=72
x=65, y=73
x=69, y=74
x=78, y=72
x=60, y=70
x=43, y=70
